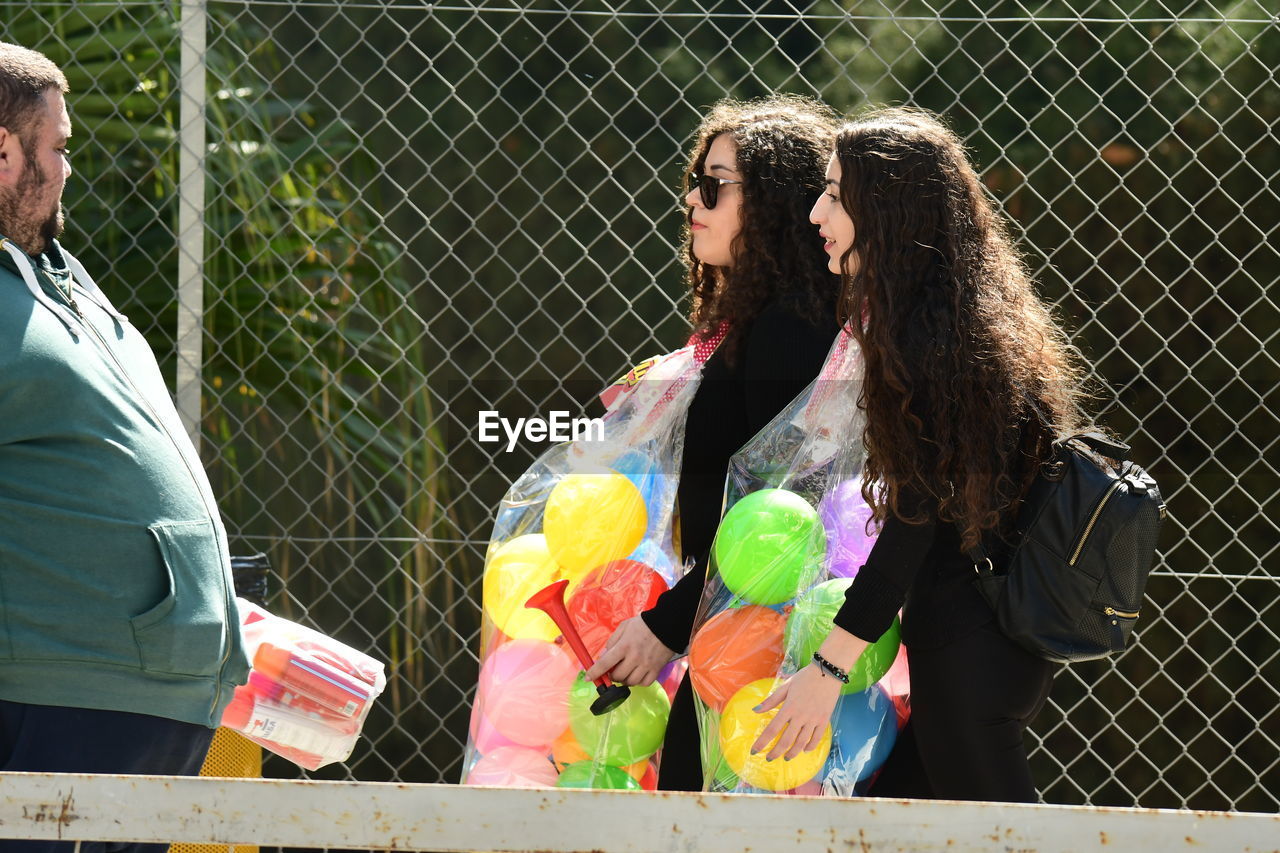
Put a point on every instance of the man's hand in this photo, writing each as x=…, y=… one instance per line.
x=633, y=653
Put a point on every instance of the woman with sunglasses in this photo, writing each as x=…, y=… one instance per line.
x=758, y=276
x=968, y=380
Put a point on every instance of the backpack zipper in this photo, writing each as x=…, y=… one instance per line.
x=1111, y=611
x=1093, y=519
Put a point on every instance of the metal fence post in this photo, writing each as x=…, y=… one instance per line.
x=191, y=178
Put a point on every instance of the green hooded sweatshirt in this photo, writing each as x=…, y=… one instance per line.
x=115, y=582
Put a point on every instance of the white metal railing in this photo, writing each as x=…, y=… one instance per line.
x=383, y=815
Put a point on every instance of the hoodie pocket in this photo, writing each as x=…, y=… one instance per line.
x=185, y=633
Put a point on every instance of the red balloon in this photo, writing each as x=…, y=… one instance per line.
x=649, y=782
x=609, y=594
x=733, y=649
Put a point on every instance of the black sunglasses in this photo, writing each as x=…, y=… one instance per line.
x=709, y=187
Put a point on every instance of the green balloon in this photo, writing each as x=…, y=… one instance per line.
x=810, y=622
x=770, y=545
x=588, y=774
x=722, y=773
x=626, y=734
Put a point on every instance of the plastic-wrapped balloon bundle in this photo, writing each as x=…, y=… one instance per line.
x=597, y=514
x=793, y=535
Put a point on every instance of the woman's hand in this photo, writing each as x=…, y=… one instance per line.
x=805, y=700
x=633, y=653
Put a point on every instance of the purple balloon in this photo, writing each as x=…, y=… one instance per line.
x=845, y=515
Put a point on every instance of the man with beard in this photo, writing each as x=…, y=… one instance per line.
x=119, y=638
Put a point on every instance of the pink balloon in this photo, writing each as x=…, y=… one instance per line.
x=514, y=767
x=812, y=788
x=524, y=691
x=844, y=516
x=671, y=675
x=897, y=683
x=483, y=735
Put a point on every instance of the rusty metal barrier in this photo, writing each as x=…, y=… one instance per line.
x=382, y=815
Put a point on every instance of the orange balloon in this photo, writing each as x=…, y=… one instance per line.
x=733, y=649
x=636, y=771
x=565, y=750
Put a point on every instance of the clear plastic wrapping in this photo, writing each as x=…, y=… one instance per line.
x=793, y=534
x=596, y=514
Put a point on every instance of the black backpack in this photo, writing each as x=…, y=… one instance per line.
x=1087, y=531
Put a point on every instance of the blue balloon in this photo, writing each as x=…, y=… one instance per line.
x=639, y=469
x=651, y=554
x=864, y=728
x=659, y=493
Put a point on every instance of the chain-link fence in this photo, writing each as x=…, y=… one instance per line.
x=414, y=211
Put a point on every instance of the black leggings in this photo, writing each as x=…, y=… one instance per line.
x=681, y=766
x=970, y=702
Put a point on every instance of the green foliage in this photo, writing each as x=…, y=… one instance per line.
x=316, y=412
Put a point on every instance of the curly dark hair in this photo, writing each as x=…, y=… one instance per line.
x=783, y=143
x=968, y=377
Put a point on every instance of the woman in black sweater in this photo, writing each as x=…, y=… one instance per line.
x=757, y=274
x=968, y=380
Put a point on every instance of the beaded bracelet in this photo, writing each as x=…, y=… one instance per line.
x=831, y=668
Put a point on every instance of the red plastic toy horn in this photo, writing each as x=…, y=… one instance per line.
x=550, y=600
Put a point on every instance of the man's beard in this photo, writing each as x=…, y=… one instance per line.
x=32, y=233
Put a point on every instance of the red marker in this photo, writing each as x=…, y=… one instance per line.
x=314, y=679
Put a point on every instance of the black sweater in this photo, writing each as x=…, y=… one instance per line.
x=922, y=567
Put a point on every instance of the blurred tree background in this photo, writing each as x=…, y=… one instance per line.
x=416, y=212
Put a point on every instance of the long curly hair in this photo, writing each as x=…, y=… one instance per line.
x=783, y=143
x=968, y=377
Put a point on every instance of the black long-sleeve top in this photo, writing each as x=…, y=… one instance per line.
x=921, y=569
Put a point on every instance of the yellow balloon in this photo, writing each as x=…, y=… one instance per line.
x=591, y=519
x=516, y=570
x=739, y=728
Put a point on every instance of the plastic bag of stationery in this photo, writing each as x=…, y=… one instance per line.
x=793, y=534
x=308, y=695
x=594, y=517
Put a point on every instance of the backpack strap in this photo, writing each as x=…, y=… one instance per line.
x=987, y=581
x=1095, y=441
x=1099, y=443
x=982, y=564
